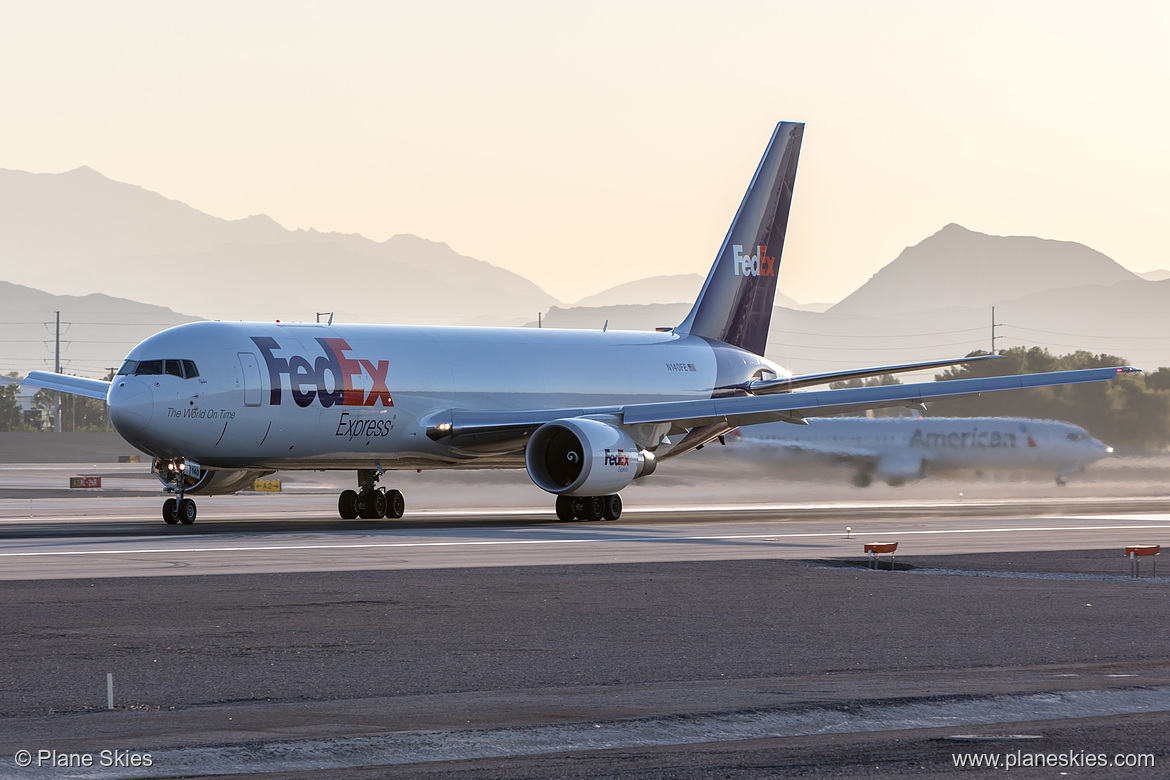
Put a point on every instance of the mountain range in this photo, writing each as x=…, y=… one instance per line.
x=89, y=239
x=936, y=299
x=959, y=268
x=80, y=232
x=97, y=330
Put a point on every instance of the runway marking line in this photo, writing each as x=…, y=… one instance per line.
x=770, y=537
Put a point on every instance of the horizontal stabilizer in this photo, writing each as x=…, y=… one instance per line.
x=74, y=385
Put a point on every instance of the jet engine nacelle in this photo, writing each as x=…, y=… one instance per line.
x=207, y=482
x=584, y=457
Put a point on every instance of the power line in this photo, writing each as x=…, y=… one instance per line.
x=787, y=332
x=870, y=348
x=1086, y=335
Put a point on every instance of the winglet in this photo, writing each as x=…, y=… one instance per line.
x=735, y=304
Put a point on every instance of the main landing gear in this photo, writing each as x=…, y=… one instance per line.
x=369, y=502
x=589, y=507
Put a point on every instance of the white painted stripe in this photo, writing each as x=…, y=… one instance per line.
x=601, y=540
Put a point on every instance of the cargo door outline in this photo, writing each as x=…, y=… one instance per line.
x=251, y=374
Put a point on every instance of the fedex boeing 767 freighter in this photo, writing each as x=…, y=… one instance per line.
x=218, y=404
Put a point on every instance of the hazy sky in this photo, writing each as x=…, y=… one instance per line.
x=587, y=144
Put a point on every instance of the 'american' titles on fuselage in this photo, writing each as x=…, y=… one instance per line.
x=900, y=448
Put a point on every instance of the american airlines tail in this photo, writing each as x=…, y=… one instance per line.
x=735, y=304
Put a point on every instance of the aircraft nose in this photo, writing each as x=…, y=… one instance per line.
x=1100, y=448
x=131, y=406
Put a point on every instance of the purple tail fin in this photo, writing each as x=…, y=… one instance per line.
x=735, y=305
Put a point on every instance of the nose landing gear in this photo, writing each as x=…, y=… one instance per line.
x=179, y=511
x=175, y=475
x=369, y=502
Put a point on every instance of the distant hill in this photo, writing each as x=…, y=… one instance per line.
x=644, y=316
x=1155, y=276
x=959, y=268
x=80, y=232
x=677, y=288
x=97, y=330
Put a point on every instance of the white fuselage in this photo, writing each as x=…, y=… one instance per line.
x=273, y=396
x=905, y=448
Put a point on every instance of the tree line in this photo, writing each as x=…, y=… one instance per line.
x=78, y=413
x=1131, y=413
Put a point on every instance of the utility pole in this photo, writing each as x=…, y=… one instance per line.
x=993, y=330
x=57, y=369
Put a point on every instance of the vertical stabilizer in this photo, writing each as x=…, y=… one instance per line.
x=735, y=305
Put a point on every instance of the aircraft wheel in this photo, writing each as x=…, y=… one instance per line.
x=347, y=505
x=395, y=504
x=170, y=511
x=377, y=505
x=187, y=511
x=1061, y=480
x=565, y=509
x=613, y=507
x=594, y=508
x=862, y=479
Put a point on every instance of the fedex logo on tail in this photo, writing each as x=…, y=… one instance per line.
x=332, y=379
x=758, y=264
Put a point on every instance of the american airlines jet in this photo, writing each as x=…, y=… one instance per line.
x=218, y=404
x=900, y=449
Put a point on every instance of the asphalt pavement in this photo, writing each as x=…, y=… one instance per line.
x=205, y=663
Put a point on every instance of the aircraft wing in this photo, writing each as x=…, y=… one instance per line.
x=501, y=431
x=794, y=407
x=788, y=384
x=63, y=383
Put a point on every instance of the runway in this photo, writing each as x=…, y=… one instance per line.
x=138, y=546
x=117, y=532
x=720, y=635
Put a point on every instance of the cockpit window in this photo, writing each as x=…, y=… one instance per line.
x=184, y=369
x=1077, y=436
